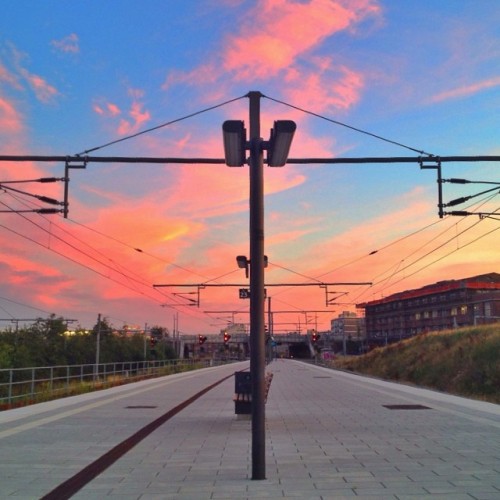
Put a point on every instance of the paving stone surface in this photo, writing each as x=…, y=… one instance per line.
x=329, y=435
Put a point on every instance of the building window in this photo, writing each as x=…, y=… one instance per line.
x=417, y=315
x=463, y=310
x=454, y=311
x=487, y=309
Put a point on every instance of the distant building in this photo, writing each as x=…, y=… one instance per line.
x=443, y=305
x=348, y=325
x=235, y=329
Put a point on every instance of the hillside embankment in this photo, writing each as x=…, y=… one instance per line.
x=464, y=362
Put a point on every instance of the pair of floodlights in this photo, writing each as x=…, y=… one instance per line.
x=278, y=146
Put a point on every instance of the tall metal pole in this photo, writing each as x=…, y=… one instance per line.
x=270, y=330
x=98, y=347
x=257, y=335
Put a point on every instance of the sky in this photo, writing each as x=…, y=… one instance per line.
x=407, y=77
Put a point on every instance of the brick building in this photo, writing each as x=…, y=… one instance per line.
x=440, y=306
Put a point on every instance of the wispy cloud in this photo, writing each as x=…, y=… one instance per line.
x=137, y=118
x=278, y=38
x=8, y=77
x=44, y=92
x=10, y=119
x=130, y=121
x=106, y=109
x=467, y=90
x=325, y=87
x=277, y=32
x=68, y=44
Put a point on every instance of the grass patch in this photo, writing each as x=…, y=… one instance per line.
x=464, y=362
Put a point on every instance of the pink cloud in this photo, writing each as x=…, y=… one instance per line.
x=68, y=44
x=136, y=115
x=8, y=77
x=467, y=90
x=207, y=73
x=324, y=88
x=44, y=91
x=113, y=109
x=276, y=38
x=138, y=118
x=200, y=193
x=388, y=256
x=10, y=120
x=107, y=109
x=281, y=31
x=32, y=280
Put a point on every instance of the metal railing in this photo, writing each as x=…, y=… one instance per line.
x=35, y=384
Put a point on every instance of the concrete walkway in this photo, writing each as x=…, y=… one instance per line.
x=330, y=435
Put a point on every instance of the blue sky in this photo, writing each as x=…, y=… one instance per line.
x=77, y=76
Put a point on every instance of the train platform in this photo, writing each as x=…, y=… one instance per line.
x=329, y=435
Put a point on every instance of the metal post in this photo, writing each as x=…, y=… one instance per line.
x=257, y=335
x=11, y=380
x=98, y=347
x=269, y=339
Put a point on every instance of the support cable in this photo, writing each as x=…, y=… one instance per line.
x=336, y=122
x=171, y=122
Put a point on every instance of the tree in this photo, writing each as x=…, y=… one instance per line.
x=159, y=332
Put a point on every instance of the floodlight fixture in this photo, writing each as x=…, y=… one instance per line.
x=234, y=135
x=243, y=263
x=280, y=142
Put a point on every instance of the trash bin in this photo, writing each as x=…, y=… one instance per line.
x=243, y=393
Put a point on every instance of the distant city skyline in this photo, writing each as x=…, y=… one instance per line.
x=423, y=75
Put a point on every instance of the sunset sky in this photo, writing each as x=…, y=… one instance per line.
x=77, y=76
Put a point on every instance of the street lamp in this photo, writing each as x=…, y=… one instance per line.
x=278, y=147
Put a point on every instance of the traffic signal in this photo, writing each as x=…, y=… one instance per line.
x=152, y=342
x=226, y=337
x=315, y=337
x=201, y=339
